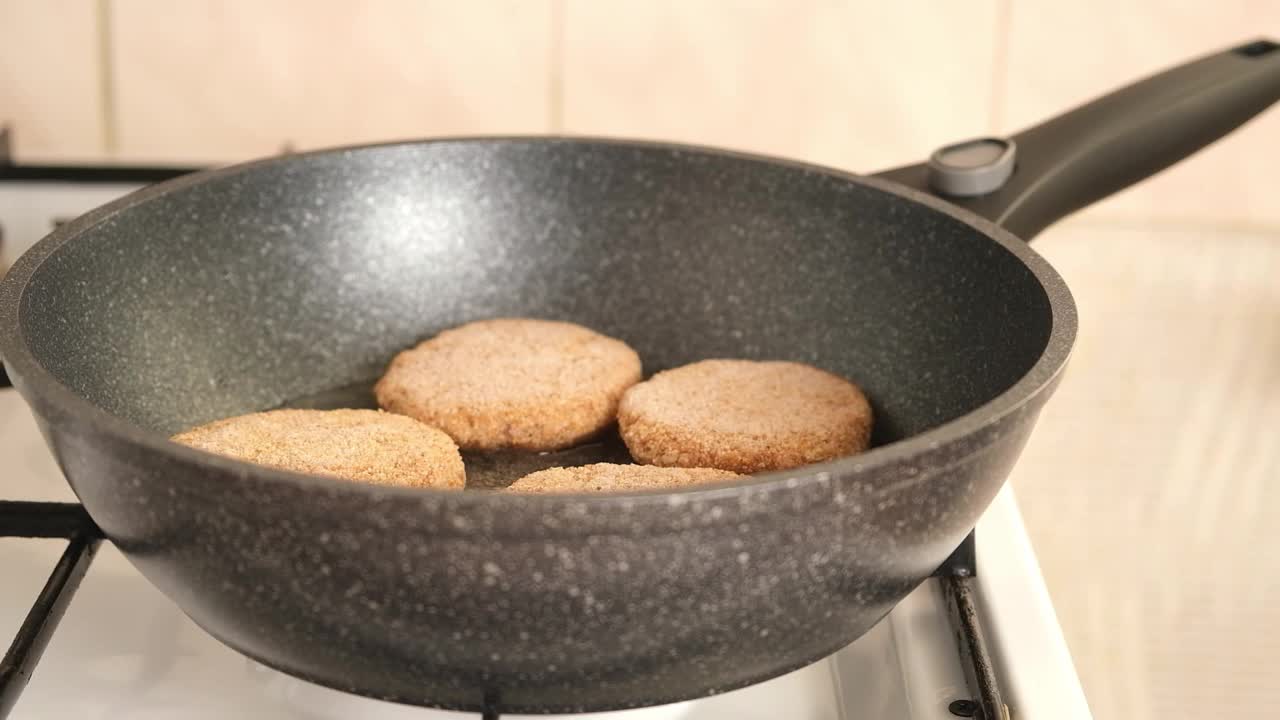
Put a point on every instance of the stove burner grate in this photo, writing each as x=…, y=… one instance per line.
x=44, y=520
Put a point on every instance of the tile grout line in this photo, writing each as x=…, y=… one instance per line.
x=1000, y=66
x=555, y=69
x=106, y=78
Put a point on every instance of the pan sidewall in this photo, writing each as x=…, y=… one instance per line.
x=558, y=604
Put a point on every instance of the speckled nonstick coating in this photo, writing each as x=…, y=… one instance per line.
x=241, y=289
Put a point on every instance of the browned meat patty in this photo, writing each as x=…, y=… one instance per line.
x=744, y=416
x=607, y=477
x=512, y=383
x=366, y=445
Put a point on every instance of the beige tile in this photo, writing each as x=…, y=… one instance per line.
x=860, y=85
x=49, y=91
x=218, y=81
x=1062, y=54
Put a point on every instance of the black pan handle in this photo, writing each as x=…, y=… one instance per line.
x=1102, y=147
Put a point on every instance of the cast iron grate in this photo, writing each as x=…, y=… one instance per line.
x=44, y=520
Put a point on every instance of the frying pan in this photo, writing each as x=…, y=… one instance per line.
x=294, y=280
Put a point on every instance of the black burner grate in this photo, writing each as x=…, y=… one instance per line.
x=957, y=575
x=44, y=520
x=70, y=521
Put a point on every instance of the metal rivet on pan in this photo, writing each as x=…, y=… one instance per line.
x=971, y=168
x=963, y=708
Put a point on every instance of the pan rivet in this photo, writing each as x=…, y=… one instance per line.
x=963, y=708
x=972, y=168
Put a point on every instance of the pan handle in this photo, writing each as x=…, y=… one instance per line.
x=1030, y=180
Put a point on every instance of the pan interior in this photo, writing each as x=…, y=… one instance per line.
x=295, y=281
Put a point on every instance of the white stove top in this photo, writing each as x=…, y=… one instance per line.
x=124, y=652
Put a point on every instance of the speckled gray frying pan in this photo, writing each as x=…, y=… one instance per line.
x=294, y=280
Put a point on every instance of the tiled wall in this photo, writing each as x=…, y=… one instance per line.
x=855, y=84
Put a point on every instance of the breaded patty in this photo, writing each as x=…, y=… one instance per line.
x=607, y=477
x=512, y=383
x=366, y=445
x=744, y=416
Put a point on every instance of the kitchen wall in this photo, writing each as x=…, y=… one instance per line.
x=1150, y=488
x=853, y=84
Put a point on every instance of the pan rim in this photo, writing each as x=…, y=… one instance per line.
x=82, y=413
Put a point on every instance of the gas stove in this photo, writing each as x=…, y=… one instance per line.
x=979, y=639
